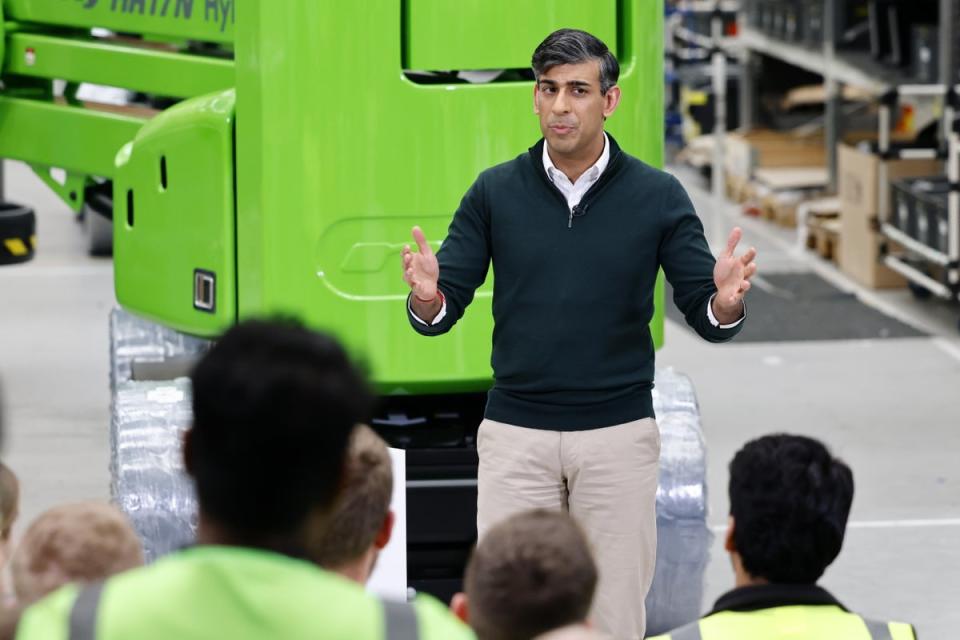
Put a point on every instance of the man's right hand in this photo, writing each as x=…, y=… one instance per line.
x=421, y=272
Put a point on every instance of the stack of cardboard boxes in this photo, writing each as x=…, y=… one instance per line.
x=861, y=213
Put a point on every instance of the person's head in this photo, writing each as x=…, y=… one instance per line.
x=81, y=542
x=529, y=574
x=9, y=509
x=789, y=502
x=575, y=91
x=274, y=405
x=362, y=522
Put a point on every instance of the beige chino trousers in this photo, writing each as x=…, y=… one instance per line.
x=606, y=478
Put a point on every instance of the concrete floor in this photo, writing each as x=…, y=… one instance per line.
x=888, y=407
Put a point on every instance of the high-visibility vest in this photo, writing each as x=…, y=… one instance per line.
x=793, y=622
x=235, y=593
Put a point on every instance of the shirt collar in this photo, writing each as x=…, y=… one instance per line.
x=592, y=174
x=768, y=596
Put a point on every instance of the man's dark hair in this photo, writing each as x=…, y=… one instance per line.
x=572, y=46
x=790, y=499
x=274, y=405
x=530, y=574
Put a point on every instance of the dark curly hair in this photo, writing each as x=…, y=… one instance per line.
x=790, y=499
x=274, y=405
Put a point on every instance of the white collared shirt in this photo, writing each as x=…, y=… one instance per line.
x=574, y=191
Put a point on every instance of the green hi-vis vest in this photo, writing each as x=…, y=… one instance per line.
x=794, y=622
x=236, y=593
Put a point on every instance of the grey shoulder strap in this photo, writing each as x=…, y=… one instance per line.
x=399, y=621
x=687, y=632
x=878, y=630
x=83, y=614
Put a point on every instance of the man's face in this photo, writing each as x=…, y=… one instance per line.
x=571, y=108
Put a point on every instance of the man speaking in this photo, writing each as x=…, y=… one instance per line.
x=577, y=230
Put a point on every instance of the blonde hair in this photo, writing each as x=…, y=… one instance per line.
x=9, y=500
x=81, y=542
x=364, y=504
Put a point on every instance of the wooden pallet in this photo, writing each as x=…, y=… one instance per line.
x=823, y=236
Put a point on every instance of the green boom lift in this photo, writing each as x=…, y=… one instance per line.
x=300, y=141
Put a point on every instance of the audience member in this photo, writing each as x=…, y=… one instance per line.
x=789, y=503
x=530, y=574
x=274, y=405
x=362, y=522
x=9, y=511
x=82, y=542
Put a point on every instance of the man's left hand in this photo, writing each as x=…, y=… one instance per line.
x=732, y=276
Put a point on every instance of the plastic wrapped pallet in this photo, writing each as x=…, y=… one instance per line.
x=683, y=538
x=147, y=478
x=133, y=338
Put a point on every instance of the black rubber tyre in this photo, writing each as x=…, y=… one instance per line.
x=99, y=232
x=18, y=228
x=97, y=218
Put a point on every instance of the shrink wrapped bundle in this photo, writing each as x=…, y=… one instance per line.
x=133, y=338
x=147, y=478
x=683, y=538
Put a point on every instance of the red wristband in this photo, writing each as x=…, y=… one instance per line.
x=439, y=295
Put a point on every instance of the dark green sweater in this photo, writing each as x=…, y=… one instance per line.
x=573, y=296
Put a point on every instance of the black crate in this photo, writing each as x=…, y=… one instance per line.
x=891, y=22
x=925, y=52
x=919, y=209
x=851, y=20
x=752, y=11
x=955, y=30
x=772, y=19
x=793, y=27
x=813, y=23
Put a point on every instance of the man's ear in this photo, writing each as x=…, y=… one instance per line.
x=536, y=104
x=386, y=530
x=728, y=544
x=611, y=99
x=459, y=608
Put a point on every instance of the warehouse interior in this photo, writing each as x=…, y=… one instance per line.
x=827, y=130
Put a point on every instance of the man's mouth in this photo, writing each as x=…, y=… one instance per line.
x=561, y=129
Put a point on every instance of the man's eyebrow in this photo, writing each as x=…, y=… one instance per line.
x=571, y=83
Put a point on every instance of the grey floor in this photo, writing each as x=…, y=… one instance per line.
x=889, y=407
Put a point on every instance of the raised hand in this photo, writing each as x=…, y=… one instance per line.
x=420, y=270
x=732, y=276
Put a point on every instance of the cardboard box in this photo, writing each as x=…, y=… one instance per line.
x=746, y=152
x=858, y=183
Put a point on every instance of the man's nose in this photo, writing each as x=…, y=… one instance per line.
x=562, y=102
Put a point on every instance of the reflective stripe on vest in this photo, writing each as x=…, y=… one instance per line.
x=878, y=630
x=399, y=618
x=83, y=614
x=689, y=632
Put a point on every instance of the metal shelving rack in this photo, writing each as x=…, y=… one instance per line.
x=888, y=85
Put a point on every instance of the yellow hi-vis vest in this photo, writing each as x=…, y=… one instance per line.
x=235, y=594
x=792, y=622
